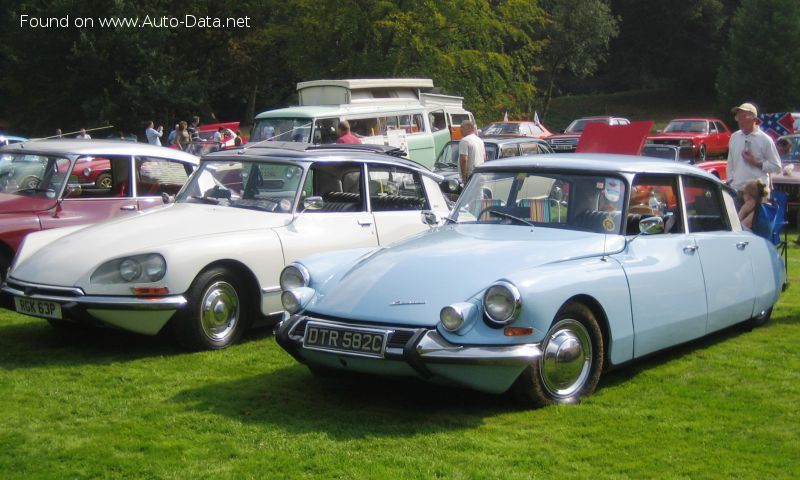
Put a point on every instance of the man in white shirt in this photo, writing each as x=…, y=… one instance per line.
x=83, y=135
x=153, y=135
x=471, y=151
x=751, y=152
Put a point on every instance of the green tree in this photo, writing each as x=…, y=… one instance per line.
x=578, y=34
x=760, y=63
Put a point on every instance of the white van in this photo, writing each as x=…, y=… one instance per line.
x=380, y=111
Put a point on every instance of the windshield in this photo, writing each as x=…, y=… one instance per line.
x=557, y=200
x=282, y=130
x=266, y=186
x=579, y=125
x=502, y=129
x=686, y=126
x=38, y=175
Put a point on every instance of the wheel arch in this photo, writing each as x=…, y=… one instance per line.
x=599, y=314
x=241, y=271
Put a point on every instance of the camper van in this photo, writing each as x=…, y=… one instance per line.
x=393, y=112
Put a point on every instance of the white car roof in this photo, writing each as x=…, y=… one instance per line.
x=97, y=148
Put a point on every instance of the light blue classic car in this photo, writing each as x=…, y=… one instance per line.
x=549, y=271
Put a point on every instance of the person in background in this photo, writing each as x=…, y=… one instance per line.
x=238, y=140
x=83, y=135
x=153, y=134
x=471, y=151
x=784, y=146
x=58, y=133
x=182, y=136
x=754, y=193
x=345, y=136
x=172, y=135
x=193, y=127
x=751, y=153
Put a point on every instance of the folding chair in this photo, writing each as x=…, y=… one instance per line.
x=770, y=222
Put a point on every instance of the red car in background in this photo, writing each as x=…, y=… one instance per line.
x=568, y=141
x=229, y=135
x=706, y=136
x=517, y=128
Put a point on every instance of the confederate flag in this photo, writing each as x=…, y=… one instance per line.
x=776, y=124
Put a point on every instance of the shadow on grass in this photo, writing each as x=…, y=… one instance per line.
x=346, y=406
x=36, y=344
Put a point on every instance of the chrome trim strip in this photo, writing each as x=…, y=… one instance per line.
x=433, y=348
x=171, y=302
x=73, y=290
x=271, y=289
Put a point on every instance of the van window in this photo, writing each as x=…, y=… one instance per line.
x=326, y=131
x=457, y=119
x=282, y=130
x=437, y=120
x=411, y=123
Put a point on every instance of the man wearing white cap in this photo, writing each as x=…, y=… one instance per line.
x=751, y=152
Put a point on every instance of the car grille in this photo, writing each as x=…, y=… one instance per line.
x=398, y=338
x=44, y=290
x=670, y=141
x=563, y=143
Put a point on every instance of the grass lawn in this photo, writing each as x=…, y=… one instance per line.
x=106, y=404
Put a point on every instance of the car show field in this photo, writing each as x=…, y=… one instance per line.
x=108, y=403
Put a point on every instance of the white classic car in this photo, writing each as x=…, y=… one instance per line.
x=214, y=256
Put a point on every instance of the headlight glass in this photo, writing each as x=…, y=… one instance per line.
x=294, y=276
x=451, y=318
x=501, y=303
x=290, y=302
x=686, y=143
x=145, y=268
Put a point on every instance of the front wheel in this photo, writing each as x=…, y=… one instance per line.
x=702, y=154
x=571, y=361
x=216, y=314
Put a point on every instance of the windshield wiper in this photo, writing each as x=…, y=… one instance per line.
x=509, y=216
x=208, y=200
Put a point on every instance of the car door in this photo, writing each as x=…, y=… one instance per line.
x=341, y=221
x=397, y=198
x=665, y=275
x=723, y=252
x=155, y=176
x=92, y=196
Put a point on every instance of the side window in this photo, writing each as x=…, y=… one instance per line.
x=712, y=127
x=437, y=120
x=704, y=208
x=325, y=131
x=101, y=177
x=654, y=196
x=411, y=123
x=720, y=127
x=393, y=188
x=365, y=127
x=155, y=176
x=509, y=151
x=530, y=148
x=338, y=184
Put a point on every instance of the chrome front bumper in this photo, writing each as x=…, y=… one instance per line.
x=70, y=297
x=424, y=346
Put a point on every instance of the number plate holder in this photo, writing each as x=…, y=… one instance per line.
x=359, y=341
x=38, y=308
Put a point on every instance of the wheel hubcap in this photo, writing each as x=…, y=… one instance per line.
x=566, y=359
x=105, y=183
x=219, y=310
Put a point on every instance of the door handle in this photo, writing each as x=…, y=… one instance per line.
x=690, y=249
x=364, y=223
x=742, y=245
x=129, y=208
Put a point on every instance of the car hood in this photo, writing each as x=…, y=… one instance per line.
x=409, y=282
x=11, y=203
x=66, y=260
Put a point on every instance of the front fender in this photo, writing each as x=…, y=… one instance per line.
x=35, y=241
x=546, y=289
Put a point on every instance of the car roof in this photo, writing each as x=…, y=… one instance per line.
x=97, y=148
x=298, y=152
x=598, y=162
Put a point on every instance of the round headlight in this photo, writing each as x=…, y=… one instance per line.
x=155, y=267
x=87, y=171
x=290, y=302
x=451, y=318
x=501, y=303
x=294, y=276
x=130, y=269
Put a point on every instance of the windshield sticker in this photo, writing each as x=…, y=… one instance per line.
x=613, y=189
x=608, y=223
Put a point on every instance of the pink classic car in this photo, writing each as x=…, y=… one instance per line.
x=55, y=183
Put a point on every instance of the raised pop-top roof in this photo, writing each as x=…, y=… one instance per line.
x=364, y=90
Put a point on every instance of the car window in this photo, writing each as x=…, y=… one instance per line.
x=100, y=177
x=704, y=208
x=325, y=130
x=654, y=196
x=530, y=148
x=155, y=176
x=712, y=127
x=720, y=127
x=395, y=188
x=509, y=151
x=337, y=184
x=437, y=120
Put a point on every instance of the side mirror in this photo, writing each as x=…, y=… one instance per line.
x=450, y=185
x=166, y=198
x=651, y=225
x=429, y=218
x=313, y=203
